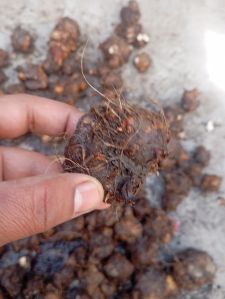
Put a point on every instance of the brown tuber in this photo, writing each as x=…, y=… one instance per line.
x=142, y=62
x=14, y=89
x=211, y=183
x=129, y=33
x=119, y=145
x=202, y=156
x=154, y=284
x=128, y=229
x=116, y=51
x=33, y=76
x=193, y=269
x=4, y=58
x=63, y=41
x=189, y=100
x=3, y=77
x=130, y=14
x=22, y=40
x=118, y=267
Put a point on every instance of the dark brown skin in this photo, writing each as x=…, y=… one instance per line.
x=189, y=101
x=130, y=14
x=4, y=58
x=110, y=79
x=193, y=269
x=128, y=229
x=211, y=183
x=3, y=77
x=182, y=170
x=154, y=284
x=33, y=76
x=202, y=156
x=63, y=41
x=159, y=227
x=116, y=51
x=130, y=29
x=129, y=32
x=142, y=62
x=22, y=40
x=144, y=252
x=119, y=145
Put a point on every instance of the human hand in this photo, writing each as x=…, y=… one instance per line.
x=30, y=200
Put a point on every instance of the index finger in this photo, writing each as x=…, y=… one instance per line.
x=20, y=114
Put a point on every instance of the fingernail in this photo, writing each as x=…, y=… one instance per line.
x=87, y=197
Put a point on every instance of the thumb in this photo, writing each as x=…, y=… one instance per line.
x=36, y=204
